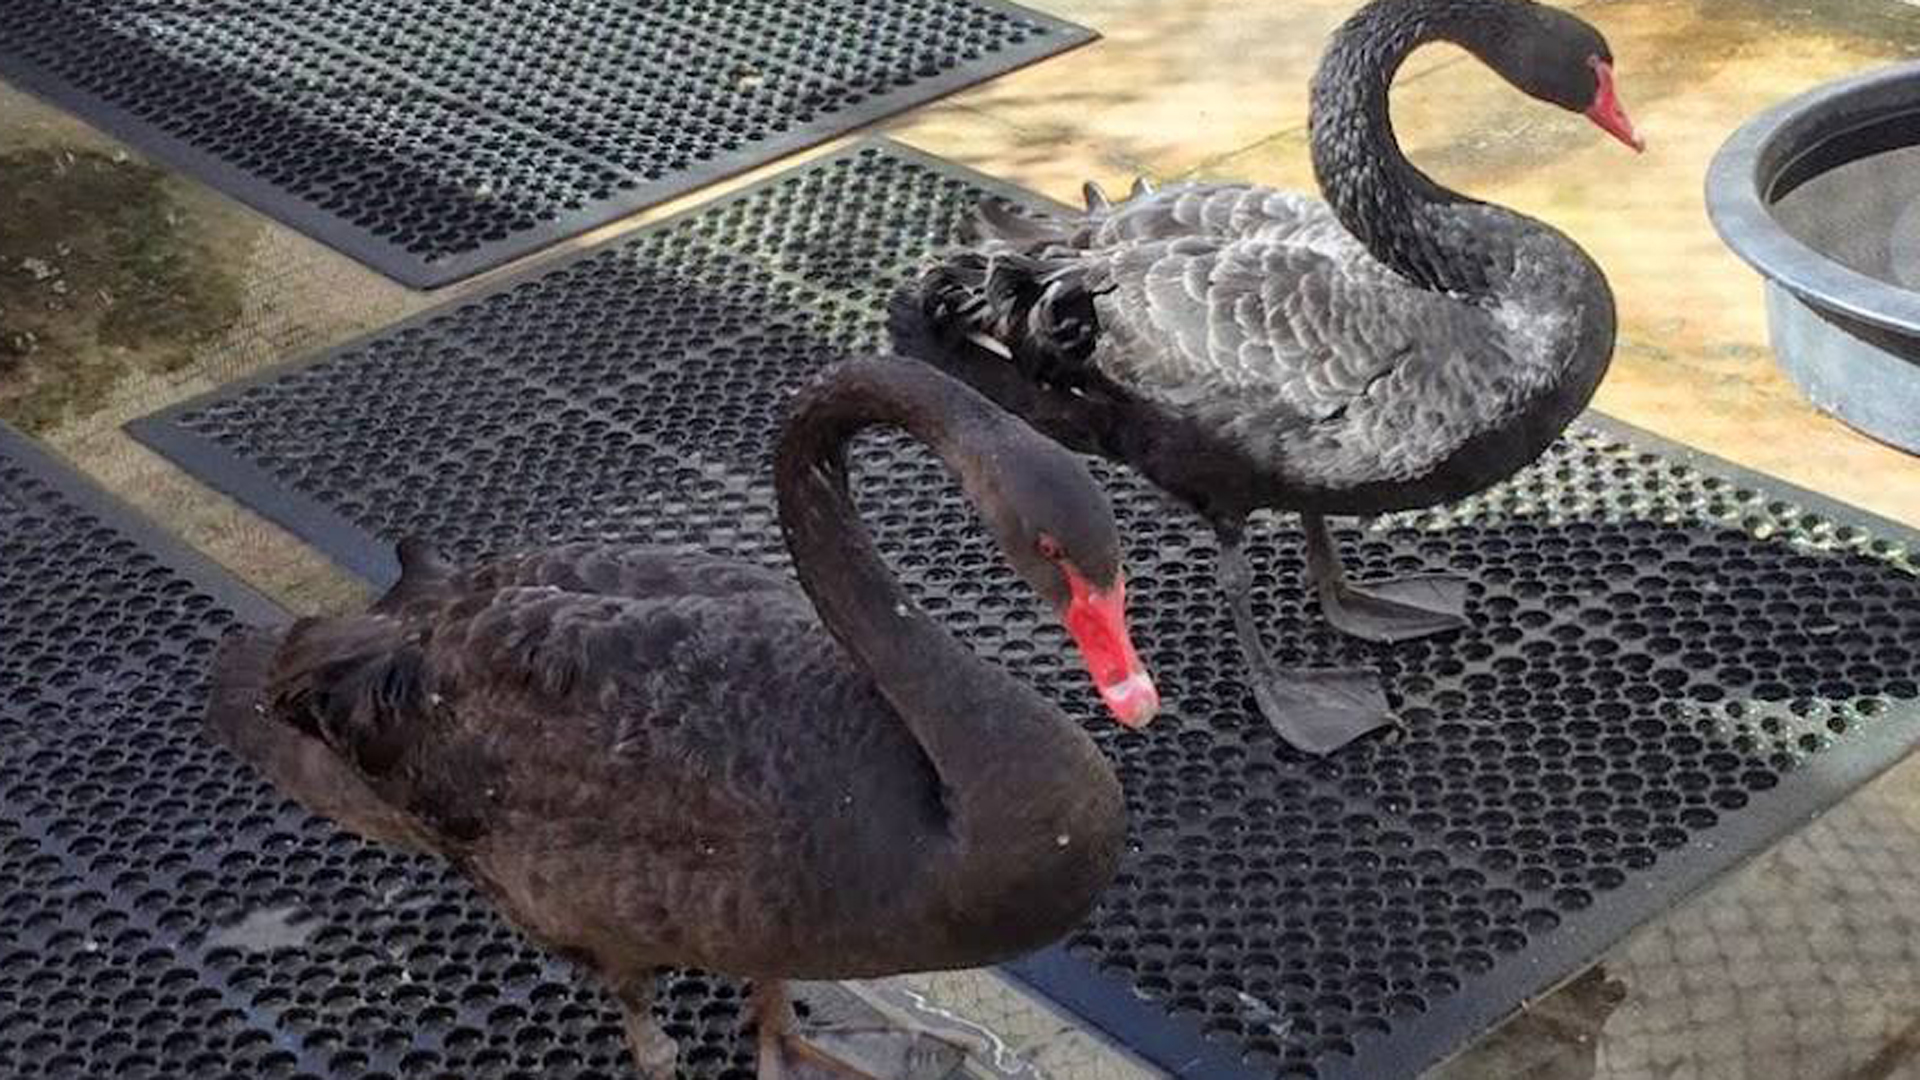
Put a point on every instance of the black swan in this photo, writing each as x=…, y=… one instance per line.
x=1397, y=346
x=650, y=759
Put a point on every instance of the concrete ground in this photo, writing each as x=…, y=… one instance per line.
x=146, y=287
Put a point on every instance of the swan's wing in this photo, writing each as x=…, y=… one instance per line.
x=498, y=710
x=1219, y=211
x=1256, y=316
x=1290, y=351
x=1258, y=319
x=606, y=569
x=624, y=570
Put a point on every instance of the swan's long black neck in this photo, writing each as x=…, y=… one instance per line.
x=1004, y=753
x=1397, y=211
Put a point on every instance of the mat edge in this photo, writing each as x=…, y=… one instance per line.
x=392, y=261
x=87, y=495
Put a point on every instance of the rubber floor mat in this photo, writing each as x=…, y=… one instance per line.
x=1671, y=662
x=167, y=915
x=434, y=139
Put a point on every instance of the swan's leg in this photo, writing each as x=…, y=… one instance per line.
x=773, y=1013
x=1317, y=710
x=854, y=1051
x=1390, y=609
x=654, y=1051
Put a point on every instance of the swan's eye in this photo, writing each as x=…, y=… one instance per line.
x=1048, y=547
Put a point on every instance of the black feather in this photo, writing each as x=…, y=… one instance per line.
x=1041, y=310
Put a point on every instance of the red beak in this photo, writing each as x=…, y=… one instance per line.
x=1606, y=111
x=1098, y=622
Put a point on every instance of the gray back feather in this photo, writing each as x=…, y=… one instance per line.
x=1256, y=313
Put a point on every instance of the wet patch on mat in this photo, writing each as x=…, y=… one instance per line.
x=101, y=277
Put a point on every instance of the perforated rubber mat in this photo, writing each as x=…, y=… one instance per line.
x=166, y=915
x=433, y=139
x=1671, y=662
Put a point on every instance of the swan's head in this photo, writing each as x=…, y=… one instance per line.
x=1560, y=58
x=1057, y=530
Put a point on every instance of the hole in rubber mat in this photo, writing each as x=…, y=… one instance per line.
x=1669, y=662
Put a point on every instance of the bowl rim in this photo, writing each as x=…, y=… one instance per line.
x=1745, y=223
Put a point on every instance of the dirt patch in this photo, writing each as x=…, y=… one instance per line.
x=102, y=275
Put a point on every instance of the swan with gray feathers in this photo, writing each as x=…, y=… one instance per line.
x=1396, y=346
x=652, y=759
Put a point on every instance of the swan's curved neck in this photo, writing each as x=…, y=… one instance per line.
x=1007, y=757
x=1397, y=211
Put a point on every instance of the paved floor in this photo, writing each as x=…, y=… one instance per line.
x=123, y=288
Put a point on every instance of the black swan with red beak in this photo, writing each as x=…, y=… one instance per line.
x=1397, y=346
x=650, y=759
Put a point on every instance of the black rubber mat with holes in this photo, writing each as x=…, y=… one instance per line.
x=167, y=915
x=434, y=139
x=1671, y=662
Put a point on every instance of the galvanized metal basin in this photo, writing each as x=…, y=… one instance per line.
x=1821, y=194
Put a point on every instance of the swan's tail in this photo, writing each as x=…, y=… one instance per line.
x=242, y=716
x=236, y=708
x=996, y=220
x=1012, y=314
x=1072, y=419
x=1018, y=290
